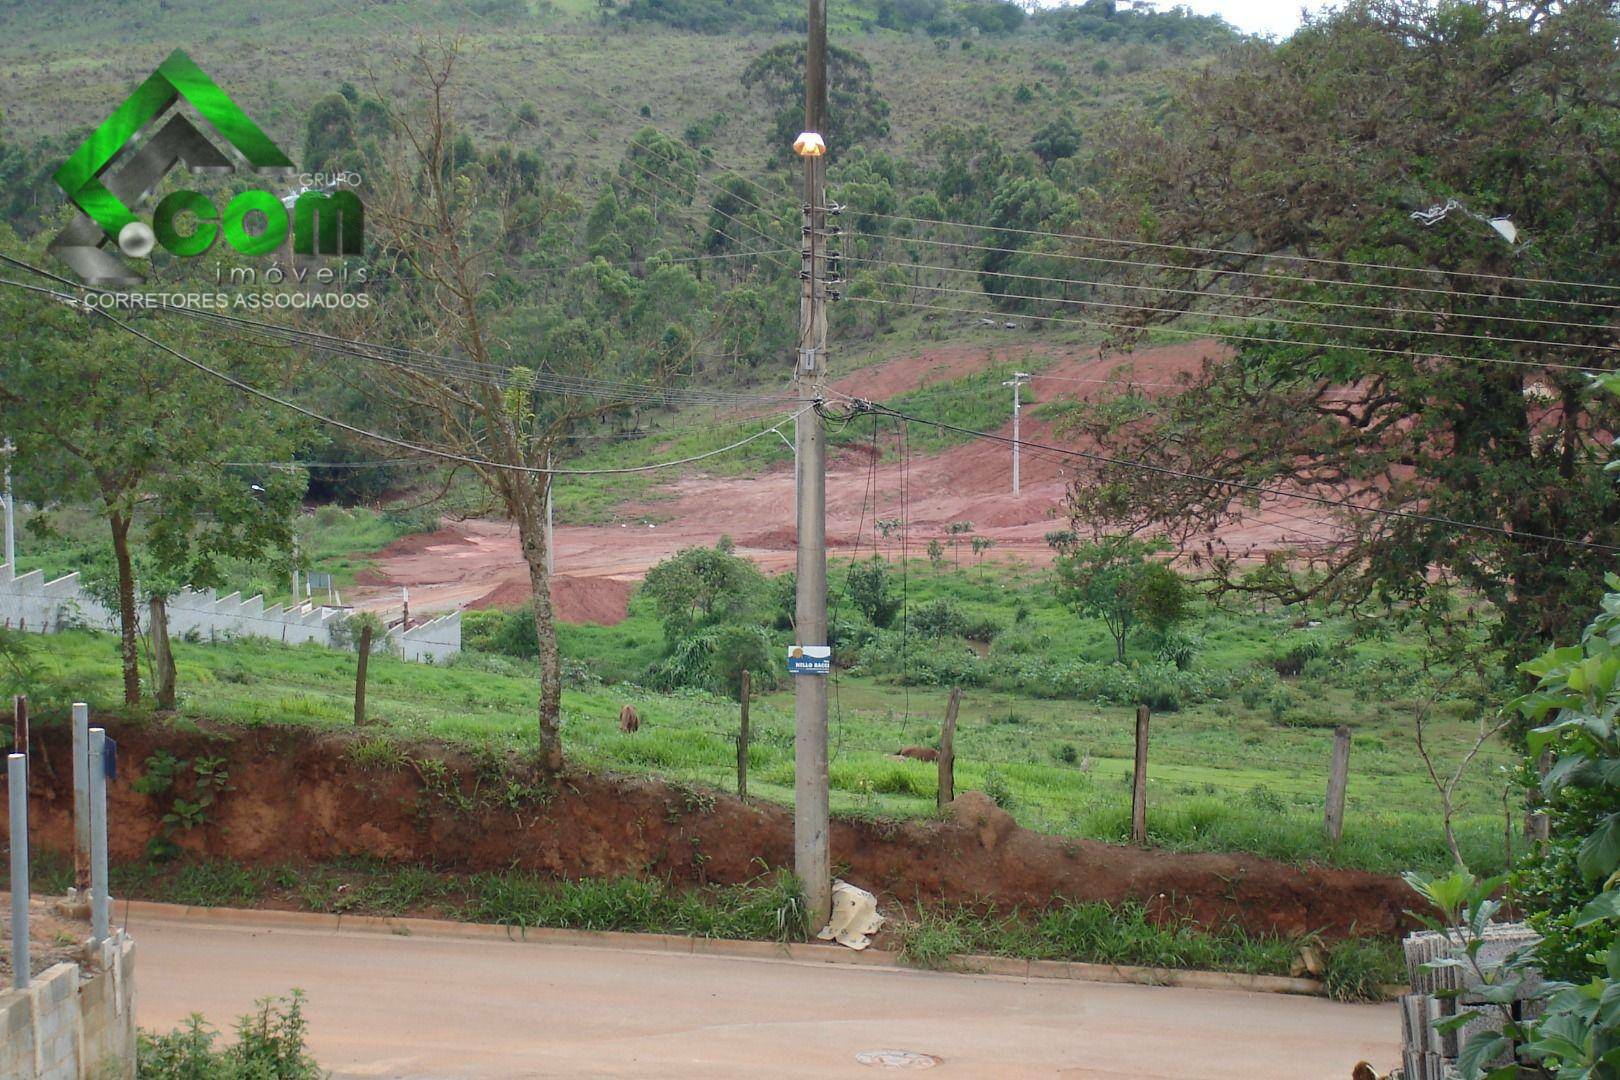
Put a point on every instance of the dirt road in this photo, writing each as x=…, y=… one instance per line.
x=421, y=1006
x=477, y=563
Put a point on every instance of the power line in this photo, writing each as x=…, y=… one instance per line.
x=1266, y=276
x=1279, y=320
x=1376, y=308
x=1103, y=324
x=441, y=363
x=389, y=439
x=1240, y=485
x=1309, y=259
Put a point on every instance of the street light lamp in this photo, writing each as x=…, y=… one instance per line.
x=809, y=144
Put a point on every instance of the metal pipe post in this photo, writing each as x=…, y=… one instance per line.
x=99, y=904
x=17, y=779
x=11, y=512
x=81, y=797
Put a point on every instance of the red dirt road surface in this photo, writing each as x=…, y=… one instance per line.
x=477, y=564
x=423, y=1006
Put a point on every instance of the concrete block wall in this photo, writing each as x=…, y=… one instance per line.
x=1427, y=1054
x=73, y=1025
x=30, y=602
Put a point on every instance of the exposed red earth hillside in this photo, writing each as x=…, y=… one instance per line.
x=476, y=563
x=298, y=795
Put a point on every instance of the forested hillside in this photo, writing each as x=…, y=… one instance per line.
x=641, y=150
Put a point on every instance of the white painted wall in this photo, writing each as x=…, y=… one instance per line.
x=29, y=602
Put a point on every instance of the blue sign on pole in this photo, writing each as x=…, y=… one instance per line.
x=809, y=660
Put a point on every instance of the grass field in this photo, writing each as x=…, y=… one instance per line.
x=1241, y=768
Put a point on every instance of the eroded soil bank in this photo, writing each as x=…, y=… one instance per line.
x=297, y=794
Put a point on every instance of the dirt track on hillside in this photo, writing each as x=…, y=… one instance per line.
x=476, y=563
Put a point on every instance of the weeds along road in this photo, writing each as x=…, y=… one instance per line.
x=441, y=1007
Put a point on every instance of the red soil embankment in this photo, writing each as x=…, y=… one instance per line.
x=300, y=795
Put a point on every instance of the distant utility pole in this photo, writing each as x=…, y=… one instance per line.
x=1016, y=382
x=11, y=515
x=551, y=547
x=811, y=857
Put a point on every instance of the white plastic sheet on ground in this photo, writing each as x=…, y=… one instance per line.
x=854, y=916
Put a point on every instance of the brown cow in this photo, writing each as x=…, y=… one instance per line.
x=919, y=753
x=629, y=721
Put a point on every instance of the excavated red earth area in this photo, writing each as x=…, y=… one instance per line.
x=298, y=795
x=477, y=563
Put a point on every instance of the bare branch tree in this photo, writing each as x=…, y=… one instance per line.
x=451, y=230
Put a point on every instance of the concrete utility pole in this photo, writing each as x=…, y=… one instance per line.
x=11, y=515
x=1016, y=382
x=551, y=545
x=811, y=858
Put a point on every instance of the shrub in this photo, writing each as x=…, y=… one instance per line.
x=940, y=618
x=1295, y=651
x=714, y=660
x=868, y=588
x=270, y=1045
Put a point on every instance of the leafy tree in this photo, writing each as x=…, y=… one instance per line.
x=981, y=544
x=99, y=417
x=700, y=587
x=1324, y=147
x=868, y=586
x=995, y=17
x=936, y=554
x=956, y=530
x=344, y=130
x=1058, y=138
x=856, y=113
x=1115, y=579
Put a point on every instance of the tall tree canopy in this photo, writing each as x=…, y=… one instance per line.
x=1445, y=390
x=100, y=417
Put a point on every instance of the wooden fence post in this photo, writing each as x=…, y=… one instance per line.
x=1338, y=780
x=360, y=674
x=19, y=719
x=742, y=741
x=1537, y=826
x=947, y=750
x=1139, y=778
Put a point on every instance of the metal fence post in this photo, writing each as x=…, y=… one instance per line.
x=81, y=797
x=98, y=835
x=17, y=779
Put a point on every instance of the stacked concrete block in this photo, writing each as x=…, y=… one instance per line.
x=73, y=1022
x=30, y=602
x=1438, y=993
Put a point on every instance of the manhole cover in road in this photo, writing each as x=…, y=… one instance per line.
x=897, y=1059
